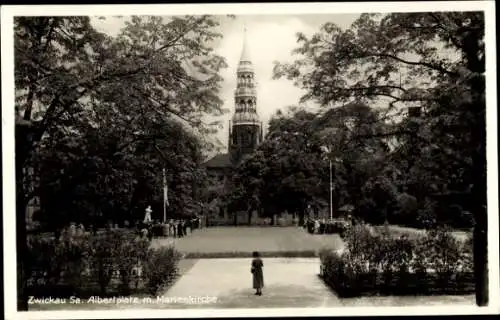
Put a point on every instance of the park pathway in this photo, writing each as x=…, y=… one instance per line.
x=227, y=283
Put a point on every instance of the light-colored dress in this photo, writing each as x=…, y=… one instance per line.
x=258, y=274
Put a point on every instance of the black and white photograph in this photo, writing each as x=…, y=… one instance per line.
x=250, y=159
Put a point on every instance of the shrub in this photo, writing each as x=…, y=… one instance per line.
x=365, y=210
x=378, y=200
x=357, y=239
x=130, y=254
x=454, y=215
x=339, y=227
x=406, y=210
x=379, y=263
x=427, y=216
x=86, y=264
x=160, y=269
x=57, y=264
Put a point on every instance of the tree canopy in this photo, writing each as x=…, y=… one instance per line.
x=432, y=61
x=108, y=113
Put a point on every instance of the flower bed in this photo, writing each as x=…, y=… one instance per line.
x=106, y=264
x=379, y=264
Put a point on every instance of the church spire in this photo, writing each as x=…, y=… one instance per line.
x=245, y=125
x=245, y=55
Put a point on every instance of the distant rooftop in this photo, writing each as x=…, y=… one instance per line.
x=219, y=161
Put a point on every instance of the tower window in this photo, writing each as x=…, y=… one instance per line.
x=245, y=139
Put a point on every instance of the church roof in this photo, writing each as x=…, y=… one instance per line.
x=219, y=161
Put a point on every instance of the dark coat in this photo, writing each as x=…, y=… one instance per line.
x=258, y=274
x=179, y=230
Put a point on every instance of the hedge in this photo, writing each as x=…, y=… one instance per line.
x=379, y=264
x=114, y=263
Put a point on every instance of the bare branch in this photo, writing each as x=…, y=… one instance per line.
x=415, y=63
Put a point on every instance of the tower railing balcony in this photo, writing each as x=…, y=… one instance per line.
x=245, y=84
x=245, y=91
x=247, y=109
x=246, y=117
x=245, y=67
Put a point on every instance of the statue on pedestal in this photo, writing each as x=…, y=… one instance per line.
x=147, y=217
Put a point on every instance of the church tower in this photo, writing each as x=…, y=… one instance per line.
x=245, y=129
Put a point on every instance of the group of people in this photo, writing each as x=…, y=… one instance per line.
x=328, y=226
x=313, y=225
x=172, y=228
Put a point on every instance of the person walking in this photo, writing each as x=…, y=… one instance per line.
x=179, y=229
x=257, y=272
x=171, y=228
x=150, y=233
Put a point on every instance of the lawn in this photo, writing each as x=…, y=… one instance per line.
x=244, y=240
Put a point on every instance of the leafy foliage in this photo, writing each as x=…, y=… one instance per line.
x=290, y=170
x=109, y=113
x=435, y=263
x=87, y=264
x=161, y=268
x=395, y=62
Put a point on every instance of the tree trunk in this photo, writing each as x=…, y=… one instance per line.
x=479, y=200
x=480, y=254
x=22, y=297
x=22, y=142
x=301, y=217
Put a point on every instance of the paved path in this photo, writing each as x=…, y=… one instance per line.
x=227, y=283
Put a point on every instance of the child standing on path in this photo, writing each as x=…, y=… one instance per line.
x=258, y=274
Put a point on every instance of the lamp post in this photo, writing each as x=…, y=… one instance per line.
x=328, y=153
x=326, y=150
x=331, y=189
x=165, y=196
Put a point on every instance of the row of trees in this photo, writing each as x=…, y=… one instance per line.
x=406, y=169
x=98, y=117
x=290, y=170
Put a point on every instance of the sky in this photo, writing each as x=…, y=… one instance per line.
x=269, y=38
